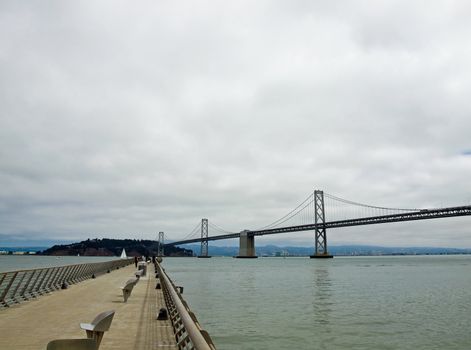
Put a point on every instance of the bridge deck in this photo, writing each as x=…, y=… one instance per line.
x=32, y=324
x=425, y=214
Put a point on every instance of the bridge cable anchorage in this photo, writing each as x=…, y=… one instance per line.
x=292, y=213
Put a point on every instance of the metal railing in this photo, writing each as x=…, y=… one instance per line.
x=188, y=332
x=23, y=285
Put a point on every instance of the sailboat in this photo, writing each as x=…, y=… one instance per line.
x=123, y=254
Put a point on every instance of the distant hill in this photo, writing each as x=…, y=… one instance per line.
x=23, y=249
x=113, y=247
x=343, y=250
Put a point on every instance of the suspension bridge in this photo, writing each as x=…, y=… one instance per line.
x=310, y=215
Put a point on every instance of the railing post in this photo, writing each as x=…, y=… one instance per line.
x=50, y=280
x=188, y=332
x=5, y=292
x=76, y=274
x=21, y=293
x=64, y=276
x=46, y=274
x=320, y=231
x=30, y=292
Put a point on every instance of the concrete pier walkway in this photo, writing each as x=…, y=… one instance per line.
x=32, y=324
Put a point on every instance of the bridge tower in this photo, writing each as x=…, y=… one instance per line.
x=160, y=246
x=319, y=221
x=204, y=239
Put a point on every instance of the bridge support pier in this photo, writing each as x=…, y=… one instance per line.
x=319, y=220
x=246, y=246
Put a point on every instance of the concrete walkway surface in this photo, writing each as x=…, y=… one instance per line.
x=32, y=324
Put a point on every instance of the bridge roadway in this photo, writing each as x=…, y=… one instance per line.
x=407, y=216
x=32, y=324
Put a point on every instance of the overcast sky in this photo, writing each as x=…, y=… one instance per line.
x=125, y=118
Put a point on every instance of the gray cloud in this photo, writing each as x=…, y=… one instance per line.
x=123, y=119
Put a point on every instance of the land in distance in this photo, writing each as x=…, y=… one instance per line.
x=137, y=247
x=340, y=250
x=114, y=247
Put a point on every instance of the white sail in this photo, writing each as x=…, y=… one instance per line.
x=123, y=254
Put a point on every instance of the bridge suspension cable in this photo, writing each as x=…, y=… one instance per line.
x=336, y=208
x=296, y=211
x=321, y=211
x=346, y=201
x=194, y=233
x=218, y=228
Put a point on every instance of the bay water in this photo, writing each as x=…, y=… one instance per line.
x=27, y=262
x=395, y=302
